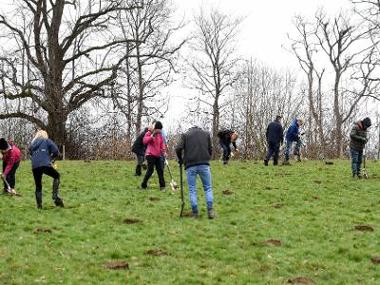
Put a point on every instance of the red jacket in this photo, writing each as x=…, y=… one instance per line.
x=12, y=156
x=155, y=145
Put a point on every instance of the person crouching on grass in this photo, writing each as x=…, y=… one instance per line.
x=154, y=150
x=226, y=137
x=11, y=161
x=43, y=151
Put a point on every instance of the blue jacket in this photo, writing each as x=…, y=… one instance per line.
x=42, y=152
x=293, y=132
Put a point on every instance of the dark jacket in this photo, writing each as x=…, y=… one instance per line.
x=293, y=132
x=275, y=132
x=196, y=147
x=42, y=152
x=225, y=137
x=138, y=146
x=358, y=136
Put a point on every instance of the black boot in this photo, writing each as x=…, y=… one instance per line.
x=265, y=162
x=138, y=170
x=57, y=200
x=39, y=199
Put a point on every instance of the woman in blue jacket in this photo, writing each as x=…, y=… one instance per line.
x=43, y=151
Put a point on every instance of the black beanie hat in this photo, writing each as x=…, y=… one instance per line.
x=367, y=122
x=158, y=125
x=3, y=144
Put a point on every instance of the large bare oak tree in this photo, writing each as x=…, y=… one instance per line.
x=71, y=54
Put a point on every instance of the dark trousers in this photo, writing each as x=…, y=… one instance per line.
x=226, y=151
x=11, y=176
x=273, y=149
x=49, y=171
x=140, y=160
x=152, y=163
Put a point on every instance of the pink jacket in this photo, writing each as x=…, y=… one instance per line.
x=155, y=145
x=11, y=157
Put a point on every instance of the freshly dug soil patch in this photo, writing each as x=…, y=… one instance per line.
x=364, y=228
x=274, y=242
x=154, y=199
x=187, y=214
x=42, y=230
x=156, y=252
x=301, y=280
x=227, y=192
x=117, y=265
x=277, y=205
x=130, y=221
x=375, y=260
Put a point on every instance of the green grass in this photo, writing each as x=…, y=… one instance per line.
x=310, y=207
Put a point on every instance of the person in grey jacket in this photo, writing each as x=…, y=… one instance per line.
x=42, y=151
x=194, y=151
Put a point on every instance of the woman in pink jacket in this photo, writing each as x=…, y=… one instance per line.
x=11, y=161
x=154, y=150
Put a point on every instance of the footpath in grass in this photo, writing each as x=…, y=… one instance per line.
x=309, y=223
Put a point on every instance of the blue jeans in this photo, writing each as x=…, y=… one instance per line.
x=205, y=175
x=288, y=147
x=356, y=161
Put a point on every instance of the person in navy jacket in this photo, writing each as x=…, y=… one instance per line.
x=293, y=136
x=43, y=151
x=275, y=137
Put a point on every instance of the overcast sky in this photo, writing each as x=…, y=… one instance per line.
x=267, y=23
x=263, y=33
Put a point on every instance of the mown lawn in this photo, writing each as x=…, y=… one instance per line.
x=274, y=225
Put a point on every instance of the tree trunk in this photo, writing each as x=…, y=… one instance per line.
x=56, y=129
x=338, y=120
x=140, y=100
x=215, y=126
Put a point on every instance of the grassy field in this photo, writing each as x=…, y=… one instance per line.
x=308, y=223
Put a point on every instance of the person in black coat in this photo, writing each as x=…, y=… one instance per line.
x=138, y=148
x=275, y=137
x=226, y=137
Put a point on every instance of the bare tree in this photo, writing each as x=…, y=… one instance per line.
x=350, y=56
x=304, y=48
x=61, y=36
x=214, y=62
x=149, y=64
x=263, y=93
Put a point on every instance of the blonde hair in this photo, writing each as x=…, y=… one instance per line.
x=40, y=134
